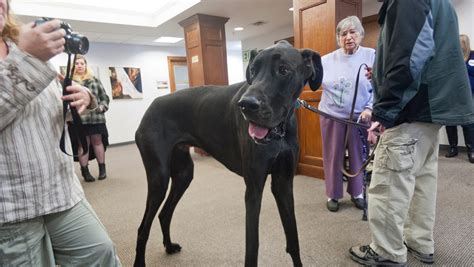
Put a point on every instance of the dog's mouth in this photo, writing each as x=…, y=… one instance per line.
x=262, y=135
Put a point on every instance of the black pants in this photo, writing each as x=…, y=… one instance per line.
x=468, y=131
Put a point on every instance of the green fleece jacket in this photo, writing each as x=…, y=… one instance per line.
x=419, y=73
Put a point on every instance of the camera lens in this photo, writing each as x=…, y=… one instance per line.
x=76, y=44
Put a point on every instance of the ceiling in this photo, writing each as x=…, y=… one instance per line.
x=241, y=13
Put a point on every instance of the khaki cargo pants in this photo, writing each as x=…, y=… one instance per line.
x=402, y=192
x=74, y=237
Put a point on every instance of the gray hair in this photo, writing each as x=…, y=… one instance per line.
x=349, y=22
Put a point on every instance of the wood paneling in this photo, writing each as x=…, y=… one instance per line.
x=215, y=55
x=315, y=24
x=347, y=8
x=372, y=29
x=206, y=49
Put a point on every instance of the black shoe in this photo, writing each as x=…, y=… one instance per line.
x=425, y=258
x=102, y=173
x=470, y=156
x=358, y=202
x=453, y=152
x=333, y=205
x=470, y=153
x=366, y=256
x=86, y=174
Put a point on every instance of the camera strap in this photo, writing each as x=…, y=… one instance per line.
x=77, y=131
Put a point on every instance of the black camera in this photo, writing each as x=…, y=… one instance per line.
x=75, y=43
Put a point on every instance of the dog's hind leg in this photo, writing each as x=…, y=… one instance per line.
x=182, y=169
x=282, y=189
x=158, y=177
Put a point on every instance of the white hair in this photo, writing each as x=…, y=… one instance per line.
x=347, y=23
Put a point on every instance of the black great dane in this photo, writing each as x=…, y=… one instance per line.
x=250, y=127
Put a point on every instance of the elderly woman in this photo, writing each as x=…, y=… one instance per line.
x=340, y=73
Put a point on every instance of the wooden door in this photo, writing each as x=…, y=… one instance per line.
x=315, y=24
x=372, y=29
x=178, y=73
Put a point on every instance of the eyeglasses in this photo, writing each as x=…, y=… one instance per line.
x=346, y=33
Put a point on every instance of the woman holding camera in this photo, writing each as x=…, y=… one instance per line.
x=45, y=219
x=93, y=122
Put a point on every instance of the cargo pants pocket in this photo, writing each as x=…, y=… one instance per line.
x=399, y=155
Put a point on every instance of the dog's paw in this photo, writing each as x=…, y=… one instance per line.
x=139, y=263
x=173, y=248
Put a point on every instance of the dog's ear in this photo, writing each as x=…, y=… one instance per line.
x=253, y=54
x=313, y=68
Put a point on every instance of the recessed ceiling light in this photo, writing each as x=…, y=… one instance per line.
x=291, y=9
x=166, y=39
x=237, y=29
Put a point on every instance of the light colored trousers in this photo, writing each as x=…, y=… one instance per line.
x=402, y=192
x=74, y=237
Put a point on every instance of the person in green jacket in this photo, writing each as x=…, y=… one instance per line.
x=418, y=76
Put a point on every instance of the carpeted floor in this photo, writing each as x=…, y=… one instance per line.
x=209, y=220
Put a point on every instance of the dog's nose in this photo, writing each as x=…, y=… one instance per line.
x=249, y=103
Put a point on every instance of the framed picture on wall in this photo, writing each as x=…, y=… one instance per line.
x=126, y=82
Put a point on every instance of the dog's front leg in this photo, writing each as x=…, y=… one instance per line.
x=282, y=189
x=253, y=202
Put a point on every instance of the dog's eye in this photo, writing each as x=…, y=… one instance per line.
x=283, y=70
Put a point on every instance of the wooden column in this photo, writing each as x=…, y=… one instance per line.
x=315, y=24
x=206, y=52
x=206, y=49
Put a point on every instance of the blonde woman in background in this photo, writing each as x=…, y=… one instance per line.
x=93, y=122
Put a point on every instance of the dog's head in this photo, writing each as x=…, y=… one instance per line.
x=276, y=77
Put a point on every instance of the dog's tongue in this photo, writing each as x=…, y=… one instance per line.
x=257, y=131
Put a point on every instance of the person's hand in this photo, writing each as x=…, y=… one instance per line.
x=374, y=131
x=79, y=97
x=365, y=116
x=100, y=108
x=43, y=41
x=368, y=73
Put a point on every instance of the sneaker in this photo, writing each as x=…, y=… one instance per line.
x=425, y=258
x=365, y=255
x=333, y=205
x=358, y=202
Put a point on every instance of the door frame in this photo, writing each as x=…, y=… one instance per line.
x=173, y=61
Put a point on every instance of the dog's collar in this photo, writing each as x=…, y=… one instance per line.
x=278, y=132
x=297, y=104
